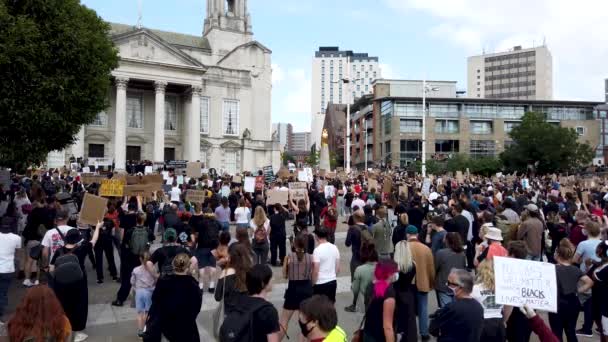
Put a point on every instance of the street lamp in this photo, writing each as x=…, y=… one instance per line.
x=425, y=89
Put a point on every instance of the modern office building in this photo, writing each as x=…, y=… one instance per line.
x=283, y=132
x=524, y=74
x=300, y=141
x=329, y=67
x=389, y=125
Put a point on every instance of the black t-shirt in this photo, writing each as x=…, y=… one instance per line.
x=459, y=321
x=277, y=224
x=601, y=289
x=167, y=253
x=459, y=224
x=416, y=216
x=374, y=315
x=265, y=319
x=567, y=279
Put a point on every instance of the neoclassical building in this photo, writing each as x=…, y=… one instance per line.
x=178, y=96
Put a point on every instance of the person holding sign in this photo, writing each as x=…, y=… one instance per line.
x=568, y=305
x=484, y=291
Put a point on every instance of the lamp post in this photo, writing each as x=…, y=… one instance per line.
x=425, y=89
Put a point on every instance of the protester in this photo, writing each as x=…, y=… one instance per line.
x=399, y=231
x=484, y=291
x=10, y=244
x=538, y=325
x=599, y=275
x=585, y=256
x=242, y=214
x=297, y=269
x=425, y=278
x=278, y=235
x=231, y=284
x=222, y=214
x=518, y=326
x=176, y=302
x=405, y=293
x=53, y=239
x=531, y=232
x=356, y=234
x=437, y=235
x=326, y=265
x=39, y=317
x=318, y=320
x=329, y=215
x=105, y=246
x=380, y=314
x=143, y=282
x=490, y=247
x=446, y=259
x=206, y=237
x=364, y=275
x=382, y=234
x=462, y=319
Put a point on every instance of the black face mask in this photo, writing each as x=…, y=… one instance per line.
x=304, y=329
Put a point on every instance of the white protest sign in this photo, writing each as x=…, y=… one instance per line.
x=180, y=180
x=520, y=282
x=426, y=187
x=249, y=184
x=302, y=176
x=149, y=169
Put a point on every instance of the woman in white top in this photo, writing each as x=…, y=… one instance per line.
x=175, y=193
x=260, y=219
x=261, y=231
x=494, y=315
x=242, y=215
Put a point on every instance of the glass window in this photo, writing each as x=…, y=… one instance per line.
x=358, y=74
x=230, y=162
x=366, y=87
x=370, y=67
x=410, y=126
x=366, y=74
x=205, y=115
x=170, y=113
x=100, y=120
x=135, y=110
x=96, y=151
x=443, y=110
x=410, y=150
x=447, y=126
x=509, y=125
x=447, y=146
x=482, y=148
x=387, y=124
x=374, y=74
x=408, y=109
x=511, y=112
x=480, y=111
x=481, y=127
x=580, y=130
x=231, y=117
x=358, y=87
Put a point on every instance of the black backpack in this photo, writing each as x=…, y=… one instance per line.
x=67, y=269
x=238, y=324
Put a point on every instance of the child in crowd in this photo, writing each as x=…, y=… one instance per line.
x=143, y=282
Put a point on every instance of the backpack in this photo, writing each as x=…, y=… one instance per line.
x=260, y=234
x=238, y=324
x=67, y=269
x=366, y=236
x=139, y=240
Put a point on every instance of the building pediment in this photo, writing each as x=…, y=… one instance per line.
x=143, y=44
x=230, y=144
x=135, y=139
x=205, y=145
x=241, y=49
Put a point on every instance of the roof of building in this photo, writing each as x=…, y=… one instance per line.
x=500, y=101
x=173, y=38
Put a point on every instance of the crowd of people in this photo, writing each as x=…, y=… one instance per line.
x=409, y=237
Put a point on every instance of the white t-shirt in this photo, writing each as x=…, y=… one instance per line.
x=175, y=193
x=241, y=214
x=358, y=203
x=53, y=240
x=327, y=255
x=487, y=299
x=9, y=242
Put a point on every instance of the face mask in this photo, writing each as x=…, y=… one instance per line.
x=304, y=328
x=452, y=290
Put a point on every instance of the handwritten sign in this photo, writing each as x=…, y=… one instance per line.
x=403, y=190
x=372, y=184
x=93, y=209
x=277, y=196
x=459, y=177
x=112, y=188
x=236, y=180
x=298, y=194
x=297, y=185
x=520, y=282
x=302, y=176
x=90, y=178
x=194, y=170
x=249, y=184
x=195, y=196
x=144, y=190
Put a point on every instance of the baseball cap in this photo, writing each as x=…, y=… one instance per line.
x=411, y=230
x=73, y=237
x=532, y=207
x=170, y=235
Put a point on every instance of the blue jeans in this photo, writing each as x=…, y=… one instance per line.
x=443, y=298
x=225, y=226
x=5, y=283
x=423, y=315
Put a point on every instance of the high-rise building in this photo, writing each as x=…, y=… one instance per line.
x=284, y=132
x=329, y=66
x=606, y=90
x=524, y=74
x=300, y=141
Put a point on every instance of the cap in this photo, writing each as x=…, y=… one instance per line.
x=532, y=207
x=411, y=230
x=73, y=237
x=170, y=235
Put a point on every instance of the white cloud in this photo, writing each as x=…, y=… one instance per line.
x=575, y=34
x=387, y=71
x=277, y=74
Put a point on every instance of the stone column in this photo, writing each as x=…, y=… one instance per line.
x=159, y=122
x=78, y=146
x=120, y=136
x=194, y=125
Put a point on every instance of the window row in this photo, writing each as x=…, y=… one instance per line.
x=511, y=56
x=510, y=75
x=511, y=85
x=514, y=65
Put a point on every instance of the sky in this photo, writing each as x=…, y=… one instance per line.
x=412, y=38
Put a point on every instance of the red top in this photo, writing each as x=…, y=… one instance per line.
x=542, y=330
x=576, y=235
x=357, y=188
x=496, y=249
x=114, y=217
x=328, y=222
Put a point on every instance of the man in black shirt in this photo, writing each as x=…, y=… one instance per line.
x=163, y=257
x=416, y=215
x=462, y=319
x=278, y=235
x=459, y=223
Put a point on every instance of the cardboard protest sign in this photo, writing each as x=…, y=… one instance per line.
x=297, y=185
x=520, y=282
x=249, y=184
x=195, y=196
x=91, y=178
x=236, y=180
x=403, y=190
x=372, y=184
x=388, y=185
x=330, y=175
x=133, y=180
x=426, y=187
x=93, y=209
x=277, y=196
x=283, y=173
x=112, y=188
x=322, y=172
x=298, y=194
x=153, y=179
x=194, y=170
x=144, y=190
x=302, y=176
x=459, y=177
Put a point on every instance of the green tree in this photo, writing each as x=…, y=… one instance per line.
x=55, y=64
x=548, y=147
x=313, y=158
x=287, y=158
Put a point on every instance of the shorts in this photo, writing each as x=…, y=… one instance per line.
x=243, y=225
x=30, y=244
x=143, y=300
x=205, y=258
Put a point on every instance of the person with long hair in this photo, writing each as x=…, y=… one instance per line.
x=242, y=214
x=599, y=295
x=297, y=269
x=405, y=293
x=364, y=274
x=380, y=314
x=39, y=317
x=568, y=277
x=231, y=283
x=446, y=259
x=484, y=291
x=259, y=220
x=206, y=236
x=261, y=230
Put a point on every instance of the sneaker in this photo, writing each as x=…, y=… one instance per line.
x=211, y=290
x=79, y=337
x=140, y=333
x=100, y=281
x=584, y=333
x=27, y=283
x=117, y=303
x=425, y=337
x=37, y=282
x=116, y=279
x=351, y=308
